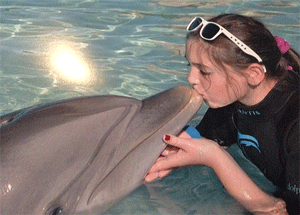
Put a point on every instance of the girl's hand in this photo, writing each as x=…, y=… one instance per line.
x=234, y=179
x=182, y=151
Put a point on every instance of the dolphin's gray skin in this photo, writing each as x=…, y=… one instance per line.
x=82, y=155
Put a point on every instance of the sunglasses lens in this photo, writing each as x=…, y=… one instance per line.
x=210, y=30
x=196, y=22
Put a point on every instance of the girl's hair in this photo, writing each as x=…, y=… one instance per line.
x=254, y=34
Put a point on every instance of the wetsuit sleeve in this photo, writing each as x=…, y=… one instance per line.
x=291, y=193
x=217, y=125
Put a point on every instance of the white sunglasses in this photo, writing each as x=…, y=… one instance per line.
x=211, y=30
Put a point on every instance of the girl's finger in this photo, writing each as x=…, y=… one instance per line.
x=152, y=176
x=169, y=149
x=174, y=141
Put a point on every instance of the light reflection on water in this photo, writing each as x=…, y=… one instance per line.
x=137, y=39
x=70, y=66
x=129, y=48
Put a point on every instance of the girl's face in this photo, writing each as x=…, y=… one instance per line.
x=218, y=88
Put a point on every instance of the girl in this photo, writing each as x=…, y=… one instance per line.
x=250, y=81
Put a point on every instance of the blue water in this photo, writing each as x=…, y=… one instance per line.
x=130, y=48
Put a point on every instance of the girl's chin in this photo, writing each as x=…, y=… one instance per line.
x=209, y=104
x=213, y=105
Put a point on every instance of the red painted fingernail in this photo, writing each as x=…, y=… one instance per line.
x=167, y=137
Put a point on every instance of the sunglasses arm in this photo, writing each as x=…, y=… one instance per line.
x=243, y=46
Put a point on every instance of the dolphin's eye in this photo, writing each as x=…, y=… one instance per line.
x=57, y=211
x=54, y=210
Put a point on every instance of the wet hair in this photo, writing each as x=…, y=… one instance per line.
x=253, y=33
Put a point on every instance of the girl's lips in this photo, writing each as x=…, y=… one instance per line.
x=202, y=95
x=198, y=91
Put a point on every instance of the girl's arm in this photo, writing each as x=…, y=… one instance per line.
x=242, y=188
x=235, y=180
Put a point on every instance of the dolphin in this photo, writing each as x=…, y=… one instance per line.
x=81, y=156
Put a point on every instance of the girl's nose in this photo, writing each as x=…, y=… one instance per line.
x=193, y=78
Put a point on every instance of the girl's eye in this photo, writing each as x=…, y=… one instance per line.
x=203, y=73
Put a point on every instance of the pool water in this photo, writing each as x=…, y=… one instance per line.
x=58, y=49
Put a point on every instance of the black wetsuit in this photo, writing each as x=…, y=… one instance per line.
x=267, y=133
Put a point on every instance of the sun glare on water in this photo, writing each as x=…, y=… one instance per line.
x=70, y=66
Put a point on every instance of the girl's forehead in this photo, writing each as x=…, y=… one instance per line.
x=195, y=53
x=198, y=53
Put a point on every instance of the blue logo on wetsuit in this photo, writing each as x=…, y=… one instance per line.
x=248, y=140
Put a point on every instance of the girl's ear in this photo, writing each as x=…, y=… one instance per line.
x=255, y=74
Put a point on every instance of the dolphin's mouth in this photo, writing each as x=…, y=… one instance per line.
x=190, y=103
x=166, y=106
